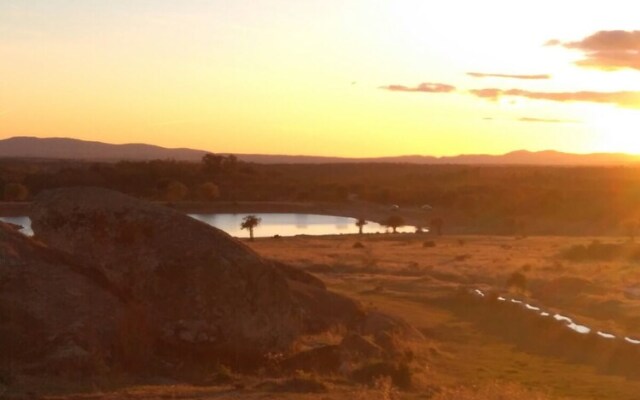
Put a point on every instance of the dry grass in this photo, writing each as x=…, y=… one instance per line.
x=459, y=359
x=493, y=391
x=399, y=275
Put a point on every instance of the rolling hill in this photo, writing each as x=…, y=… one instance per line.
x=68, y=148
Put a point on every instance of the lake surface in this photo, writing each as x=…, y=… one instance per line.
x=291, y=224
x=270, y=225
x=25, y=222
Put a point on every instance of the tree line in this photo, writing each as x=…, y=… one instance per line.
x=501, y=198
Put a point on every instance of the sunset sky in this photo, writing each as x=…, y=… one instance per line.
x=325, y=77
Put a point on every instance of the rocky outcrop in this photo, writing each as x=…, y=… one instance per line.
x=54, y=316
x=202, y=293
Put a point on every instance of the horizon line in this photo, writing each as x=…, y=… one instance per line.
x=438, y=157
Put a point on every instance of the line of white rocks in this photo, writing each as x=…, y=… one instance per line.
x=569, y=323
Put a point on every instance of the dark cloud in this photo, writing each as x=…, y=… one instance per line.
x=423, y=87
x=508, y=76
x=620, y=99
x=607, y=50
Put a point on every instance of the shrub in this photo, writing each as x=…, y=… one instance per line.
x=598, y=251
x=222, y=375
x=495, y=391
x=384, y=386
x=518, y=281
x=295, y=385
x=399, y=373
x=172, y=190
x=208, y=191
x=15, y=192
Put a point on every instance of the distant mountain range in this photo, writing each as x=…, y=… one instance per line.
x=66, y=148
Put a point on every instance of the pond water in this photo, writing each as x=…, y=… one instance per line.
x=291, y=224
x=270, y=224
x=25, y=222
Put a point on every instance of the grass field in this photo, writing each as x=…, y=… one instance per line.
x=467, y=352
x=399, y=275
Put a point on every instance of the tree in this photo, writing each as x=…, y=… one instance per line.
x=394, y=222
x=230, y=163
x=15, y=192
x=209, y=191
x=212, y=163
x=437, y=224
x=250, y=222
x=173, y=190
x=360, y=223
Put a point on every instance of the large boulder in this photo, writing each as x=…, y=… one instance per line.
x=204, y=293
x=54, y=316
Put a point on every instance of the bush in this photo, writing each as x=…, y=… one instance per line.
x=15, y=192
x=495, y=391
x=518, y=281
x=399, y=373
x=208, y=191
x=598, y=251
x=172, y=190
x=222, y=375
x=295, y=385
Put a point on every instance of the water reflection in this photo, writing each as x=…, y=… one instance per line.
x=24, y=222
x=292, y=224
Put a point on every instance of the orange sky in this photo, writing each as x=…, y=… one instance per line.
x=325, y=77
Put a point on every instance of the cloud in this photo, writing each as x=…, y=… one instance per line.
x=624, y=99
x=607, y=50
x=508, y=76
x=620, y=99
x=538, y=120
x=548, y=121
x=423, y=87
